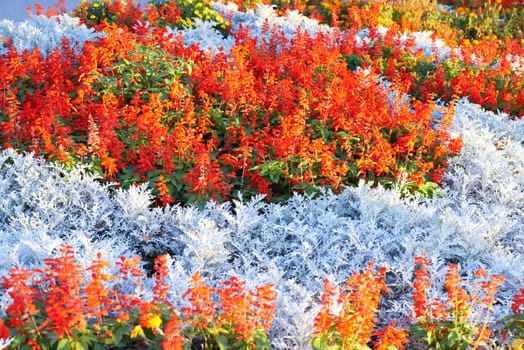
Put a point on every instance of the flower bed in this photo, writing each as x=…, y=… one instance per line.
x=267, y=147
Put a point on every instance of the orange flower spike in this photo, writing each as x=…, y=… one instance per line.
x=203, y=308
x=161, y=287
x=129, y=270
x=98, y=300
x=458, y=298
x=391, y=337
x=365, y=293
x=173, y=338
x=22, y=307
x=62, y=299
x=421, y=285
x=325, y=318
x=357, y=318
x=236, y=307
x=265, y=298
x=130, y=267
x=490, y=288
x=163, y=190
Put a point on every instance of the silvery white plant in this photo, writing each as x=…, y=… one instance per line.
x=424, y=41
x=5, y=343
x=40, y=209
x=46, y=33
x=255, y=20
x=206, y=36
x=516, y=62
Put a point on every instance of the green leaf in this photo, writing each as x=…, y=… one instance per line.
x=319, y=343
x=118, y=334
x=88, y=338
x=19, y=340
x=63, y=344
x=222, y=342
x=430, y=337
x=98, y=346
x=80, y=346
x=262, y=342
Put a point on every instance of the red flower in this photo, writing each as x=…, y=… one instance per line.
x=421, y=285
x=517, y=305
x=4, y=331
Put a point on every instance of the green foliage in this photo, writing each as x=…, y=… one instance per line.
x=514, y=323
x=188, y=10
x=354, y=61
x=145, y=71
x=491, y=19
x=446, y=335
x=225, y=338
x=95, y=12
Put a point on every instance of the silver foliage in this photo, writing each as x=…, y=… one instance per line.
x=46, y=33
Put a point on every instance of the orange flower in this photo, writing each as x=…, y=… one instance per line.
x=325, y=318
x=4, y=331
x=390, y=337
x=173, y=340
x=421, y=285
x=203, y=308
x=22, y=307
x=354, y=324
x=161, y=272
x=246, y=311
x=458, y=298
x=150, y=320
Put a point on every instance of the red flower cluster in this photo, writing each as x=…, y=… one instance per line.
x=273, y=117
x=238, y=315
x=348, y=318
x=449, y=322
x=64, y=304
x=59, y=304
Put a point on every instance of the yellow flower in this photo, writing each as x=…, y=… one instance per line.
x=150, y=320
x=137, y=331
x=92, y=16
x=96, y=4
x=517, y=344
